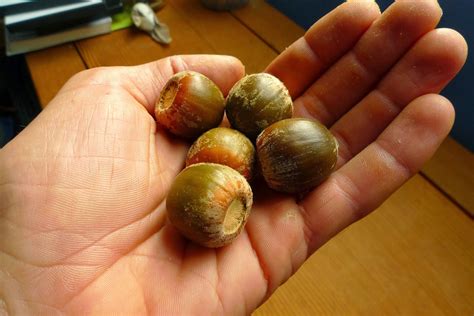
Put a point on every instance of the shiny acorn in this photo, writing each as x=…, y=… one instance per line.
x=225, y=146
x=189, y=104
x=296, y=154
x=209, y=204
x=256, y=101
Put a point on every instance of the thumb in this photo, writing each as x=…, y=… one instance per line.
x=146, y=81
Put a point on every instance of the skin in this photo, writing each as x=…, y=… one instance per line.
x=83, y=187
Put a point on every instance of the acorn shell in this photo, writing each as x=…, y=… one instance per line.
x=209, y=204
x=225, y=146
x=256, y=101
x=296, y=154
x=189, y=104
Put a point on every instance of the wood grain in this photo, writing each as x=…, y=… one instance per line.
x=51, y=68
x=195, y=30
x=413, y=256
x=131, y=46
x=452, y=170
x=269, y=24
x=226, y=35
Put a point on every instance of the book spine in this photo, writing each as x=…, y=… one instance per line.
x=45, y=21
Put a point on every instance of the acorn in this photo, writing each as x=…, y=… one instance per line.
x=189, y=104
x=296, y=154
x=225, y=146
x=209, y=204
x=256, y=101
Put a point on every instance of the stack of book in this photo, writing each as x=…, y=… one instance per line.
x=33, y=25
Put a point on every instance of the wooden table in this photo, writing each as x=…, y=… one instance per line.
x=414, y=255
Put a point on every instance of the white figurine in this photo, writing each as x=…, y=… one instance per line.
x=145, y=19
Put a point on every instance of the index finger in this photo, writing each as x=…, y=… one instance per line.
x=144, y=82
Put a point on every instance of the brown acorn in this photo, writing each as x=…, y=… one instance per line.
x=209, y=204
x=296, y=154
x=256, y=101
x=190, y=104
x=224, y=146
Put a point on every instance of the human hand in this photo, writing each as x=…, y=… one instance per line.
x=83, y=187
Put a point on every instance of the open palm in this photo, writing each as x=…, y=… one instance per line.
x=82, y=189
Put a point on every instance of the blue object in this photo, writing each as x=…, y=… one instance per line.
x=7, y=129
x=457, y=14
